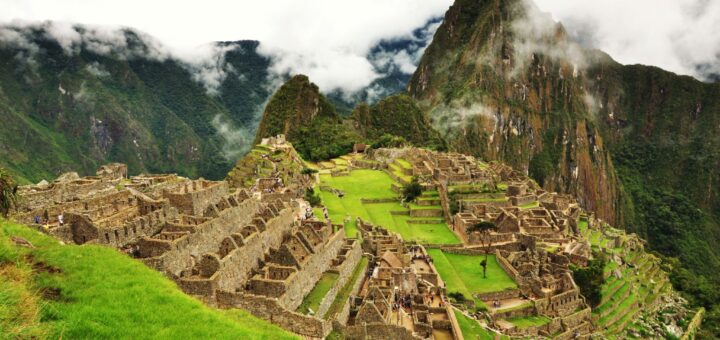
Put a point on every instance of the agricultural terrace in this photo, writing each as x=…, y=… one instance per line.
x=463, y=274
x=376, y=185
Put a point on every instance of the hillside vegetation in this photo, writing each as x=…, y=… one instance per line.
x=75, y=111
x=636, y=144
x=65, y=291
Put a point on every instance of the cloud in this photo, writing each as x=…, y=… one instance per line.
x=535, y=32
x=96, y=69
x=451, y=117
x=236, y=140
x=677, y=35
x=326, y=39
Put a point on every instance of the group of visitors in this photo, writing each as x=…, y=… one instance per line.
x=45, y=221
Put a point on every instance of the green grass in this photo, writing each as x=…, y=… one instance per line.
x=463, y=273
x=373, y=184
x=583, y=225
x=529, y=321
x=313, y=299
x=403, y=163
x=344, y=293
x=530, y=205
x=472, y=330
x=103, y=294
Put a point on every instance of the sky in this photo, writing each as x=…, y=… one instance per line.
x=329, y=39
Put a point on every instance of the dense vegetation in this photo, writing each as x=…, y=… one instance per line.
x=590, y=279
x=309, y=120
x=638, y=145
x=74, y=111
x=67, y=291
x=400, y=116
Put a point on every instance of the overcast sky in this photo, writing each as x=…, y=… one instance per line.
x=329, y=39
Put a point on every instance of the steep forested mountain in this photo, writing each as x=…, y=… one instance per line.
x=637, y=145
x=75, y=110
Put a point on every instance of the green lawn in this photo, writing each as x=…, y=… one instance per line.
x=472, y=330
x=373, y=184
x=344, y=293
x=529, y=321
x=463, y=273
x=100, y=293
x=313, y=299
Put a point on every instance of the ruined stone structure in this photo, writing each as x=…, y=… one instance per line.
x=403, y=296
x=251, y=242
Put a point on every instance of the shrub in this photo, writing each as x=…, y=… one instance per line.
x=312, y=197
x=412, y=190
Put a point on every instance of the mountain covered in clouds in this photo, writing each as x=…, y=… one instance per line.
x=637, y=145
x=76, y=97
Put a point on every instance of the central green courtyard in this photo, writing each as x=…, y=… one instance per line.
x=376, y=185
x=463, y=274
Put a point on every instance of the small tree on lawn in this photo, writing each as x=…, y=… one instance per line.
x=484, y=227
x=412, y=190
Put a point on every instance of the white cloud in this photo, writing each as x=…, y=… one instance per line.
x=326, y=39
x=676, y=35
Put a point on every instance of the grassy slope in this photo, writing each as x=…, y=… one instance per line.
x=103, y=294
x=371, y=184
x=472, y=330
x=313, y=299
x=344, y=293
x=463, y=274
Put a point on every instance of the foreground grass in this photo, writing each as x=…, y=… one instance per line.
x=100, y=293
x=314, y=298
x=463, y=274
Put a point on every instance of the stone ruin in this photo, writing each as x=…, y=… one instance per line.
x=231, y=248
x=402, y=297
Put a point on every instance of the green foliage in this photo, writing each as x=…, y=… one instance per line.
x=308, y=171
x=389, y=141
x=459, y=297
x=8, y=193
x=412, y=190
x=312, y=197
x=482, y=226
x=590, y=279
x=325, y=138
x=398, y=116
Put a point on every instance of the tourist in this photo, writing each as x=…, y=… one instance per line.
x=37, y=219
x=61, y=219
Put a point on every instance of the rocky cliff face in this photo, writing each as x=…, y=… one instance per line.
x=636, y=144
x=503, y=83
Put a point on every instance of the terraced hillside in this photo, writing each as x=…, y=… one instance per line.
x=634, y=281
x=373, y=196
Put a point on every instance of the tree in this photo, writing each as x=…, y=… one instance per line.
x=312, y=197
x=484, y=227
x=590, y=279
x=8, y=193
x=412, y=190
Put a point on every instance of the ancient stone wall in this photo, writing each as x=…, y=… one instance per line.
x=212, y=232
x=345, y=271
x=378, y=331
x=311, y=271
x=194, y=197
x=270, y=309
